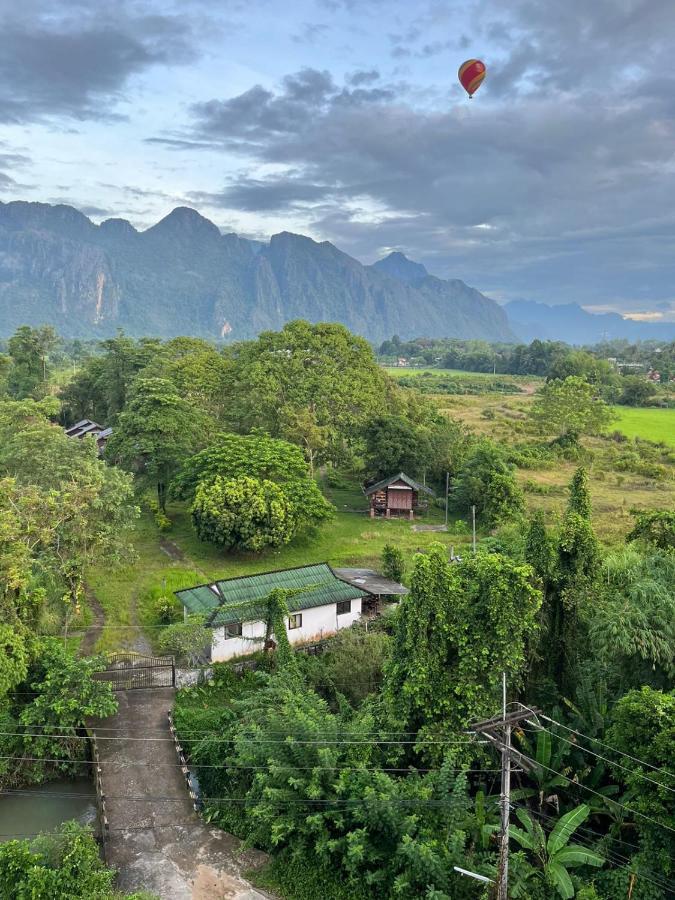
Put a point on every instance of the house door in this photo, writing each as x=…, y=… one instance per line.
x=400, y=498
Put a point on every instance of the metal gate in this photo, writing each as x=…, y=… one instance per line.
x=132, y=670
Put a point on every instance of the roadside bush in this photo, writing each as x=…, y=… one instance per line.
x=189, y=641
x=393, y=564
x=351, y=664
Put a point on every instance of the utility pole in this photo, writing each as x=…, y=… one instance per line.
x=498, y=732
x=505, y=802
x=473, y=526
x=447, y=491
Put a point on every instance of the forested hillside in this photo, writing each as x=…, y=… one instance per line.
x=182, y=276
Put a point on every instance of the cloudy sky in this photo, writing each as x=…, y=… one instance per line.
x=343, y=120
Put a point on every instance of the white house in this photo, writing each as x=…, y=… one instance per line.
x=321, y=604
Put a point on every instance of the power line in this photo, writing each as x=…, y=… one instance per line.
x=256, y=801
x=600, y=743
x=604, y=758
x=193, y=765
x=585, y=787
x=75, y=737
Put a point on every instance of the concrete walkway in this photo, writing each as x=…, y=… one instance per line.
x=156, y=841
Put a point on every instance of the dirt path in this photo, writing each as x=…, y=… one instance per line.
x=156, y=841
x=93, y=631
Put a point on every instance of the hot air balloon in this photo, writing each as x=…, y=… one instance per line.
x=471, y=74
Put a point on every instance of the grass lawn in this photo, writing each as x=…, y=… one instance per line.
x=650, y=424
x=352, y=538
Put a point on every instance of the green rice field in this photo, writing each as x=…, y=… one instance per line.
x=650, y=424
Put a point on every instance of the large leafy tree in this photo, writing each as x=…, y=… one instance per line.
x=61, y=507
x=29, y=350
x=250, y=492
x=570, y=408
x=567, y=565
x=486, y=481
x=156, y=432
x=394, y=444
x=654, y=526
x=243, y=513
x=315, y=384
x=99, y=390
x=643, y=730
x=457, y=630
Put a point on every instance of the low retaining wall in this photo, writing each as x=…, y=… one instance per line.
x=100, y=795
x=196, y=803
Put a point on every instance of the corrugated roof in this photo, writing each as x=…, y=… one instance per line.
x=317, y=585
x=415, y=485
x=201, y=599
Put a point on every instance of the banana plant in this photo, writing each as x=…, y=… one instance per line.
x=545, y=773
x=552, y=857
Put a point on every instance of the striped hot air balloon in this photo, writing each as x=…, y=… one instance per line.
x=471, y=74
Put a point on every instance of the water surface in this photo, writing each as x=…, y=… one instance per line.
x=46, y=806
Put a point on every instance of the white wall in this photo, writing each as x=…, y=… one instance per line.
x=317, y=623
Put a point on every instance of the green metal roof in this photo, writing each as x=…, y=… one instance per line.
x=200, y=600
x=317, y=585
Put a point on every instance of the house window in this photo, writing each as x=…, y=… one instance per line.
x=233, y=630
x=295, y=621
x=344, y=606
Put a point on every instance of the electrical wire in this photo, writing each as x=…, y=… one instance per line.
x=236, y=740
x=194, y=765
x=603, y=758
x=593, y=740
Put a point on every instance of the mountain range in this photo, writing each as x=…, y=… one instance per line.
x=571, y=323
x=182, y=276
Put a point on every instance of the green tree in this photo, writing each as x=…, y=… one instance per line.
x=553, y=856
x=393, y=444
x=14, y=658
x=64, y=864
x=636, y=390
x=155, y=433
x=486, y=481
x=393, y=564
x=250, y=491
x=74, y=507
x=569, y=408
x=577, y=572
x=316, y=384
x=654, y=526
x=243, y=514
x=99, y=390
x=457, y=630
x=643, y=730
x=632, y=627
x=29, y=349
x=66, y=696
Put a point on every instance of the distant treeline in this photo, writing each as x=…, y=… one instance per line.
x=550, y=359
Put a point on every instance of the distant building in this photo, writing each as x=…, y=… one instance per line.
x=397, y=496
x=402, y=362
x=87, y=428
x=324, y=602
x=654, y=376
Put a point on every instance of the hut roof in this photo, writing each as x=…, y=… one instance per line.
x=416, y=486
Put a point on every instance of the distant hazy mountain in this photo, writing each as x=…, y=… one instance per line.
x=572, y=324
x=182, y=276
